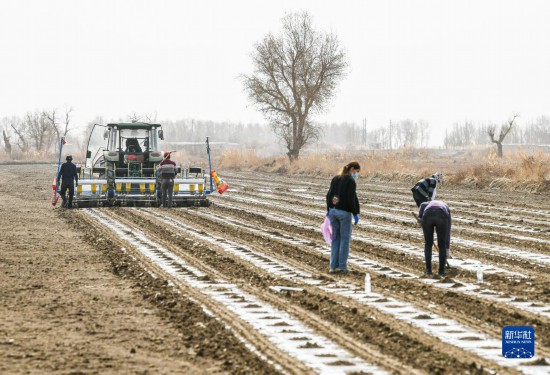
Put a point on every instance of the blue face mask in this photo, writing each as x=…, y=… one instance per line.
x=355, y=175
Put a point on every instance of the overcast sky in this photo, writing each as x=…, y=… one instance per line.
x=439, y=61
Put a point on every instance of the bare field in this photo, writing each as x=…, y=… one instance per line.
x=242, y=287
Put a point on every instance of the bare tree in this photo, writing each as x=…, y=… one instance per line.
x=409, y=129
x=20, y=131
x=59, y=129
x=504, y=130
x=295, y=76
x=424, y=133
x=151, y=118
x=7, y=143
x=134, y=117
x=39, y=130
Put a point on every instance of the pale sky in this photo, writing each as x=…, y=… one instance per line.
x=438, y=61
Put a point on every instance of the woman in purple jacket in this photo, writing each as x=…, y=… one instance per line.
x=435, y=215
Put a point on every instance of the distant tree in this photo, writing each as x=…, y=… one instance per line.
x=7, y=143
x=134, y=117
x=295, y=76
x=21, y=132
x=461, y=135
x=151, y=118
x=409, y=130
x=60, y=129
x=424, y=133
x=538, y=132
x=39, y=130
x=504, y=130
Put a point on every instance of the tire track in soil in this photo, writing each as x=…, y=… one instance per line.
x=351, y=315
x=202, y=335
x=289, y=363
x=465, y=306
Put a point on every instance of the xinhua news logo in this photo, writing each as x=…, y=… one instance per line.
x=518, y=342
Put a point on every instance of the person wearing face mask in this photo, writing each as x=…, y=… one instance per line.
x=342, y=205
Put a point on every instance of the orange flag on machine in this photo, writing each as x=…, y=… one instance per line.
x=220, y=184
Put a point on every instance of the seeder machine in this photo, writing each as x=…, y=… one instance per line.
x=124, y=172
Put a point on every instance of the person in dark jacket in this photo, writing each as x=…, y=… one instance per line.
x=435, y=215
x=425, y=189
x=342, y=204
x=167, y=172
x=69, y=174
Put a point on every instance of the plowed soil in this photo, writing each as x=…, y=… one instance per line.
x=75, y=298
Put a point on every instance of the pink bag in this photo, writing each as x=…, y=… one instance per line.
x=326, y=230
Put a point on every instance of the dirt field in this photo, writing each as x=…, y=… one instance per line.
x=242, y=286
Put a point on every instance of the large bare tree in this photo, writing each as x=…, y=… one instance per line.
x=295, y=76
x=504, y=130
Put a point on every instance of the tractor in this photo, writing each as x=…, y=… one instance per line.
x=124, y=172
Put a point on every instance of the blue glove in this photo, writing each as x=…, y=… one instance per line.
x=355, y=219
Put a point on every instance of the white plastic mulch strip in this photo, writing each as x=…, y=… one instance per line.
x=465, y=207
x=392, y=193
x=511, y=213
x=283, y=330
x=447, y=330
x=467, y=264
x=508, y=252
x=480, y=291
x=259, y=259
x=456, y=218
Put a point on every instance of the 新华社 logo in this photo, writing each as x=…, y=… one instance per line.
x=518, y=342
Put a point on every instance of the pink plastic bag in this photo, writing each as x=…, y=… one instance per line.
x=326, y=230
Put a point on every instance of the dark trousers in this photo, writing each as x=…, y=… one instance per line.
x=167, y=186
x=439, y=220
x=63, y=192
x=418, y=198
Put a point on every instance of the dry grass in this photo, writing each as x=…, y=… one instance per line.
x=475, y=168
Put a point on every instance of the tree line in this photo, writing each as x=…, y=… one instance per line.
x=534, y=132
x=40, y=131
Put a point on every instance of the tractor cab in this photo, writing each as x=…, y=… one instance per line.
x=132, y=148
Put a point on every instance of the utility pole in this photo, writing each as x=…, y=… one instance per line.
x=364, y=133
x=390, y=135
